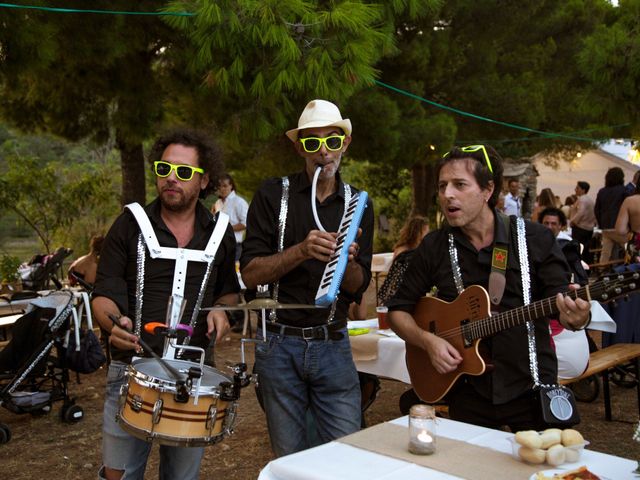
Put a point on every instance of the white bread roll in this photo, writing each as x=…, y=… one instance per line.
x=532, y=455
x=571, y=454
x=529, y=438
x=556, y=455
x=551, y=437
x=572, y=437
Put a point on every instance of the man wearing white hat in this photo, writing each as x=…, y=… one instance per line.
x=306, y=364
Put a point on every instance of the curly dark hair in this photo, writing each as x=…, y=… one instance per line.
x=209, y=154
x=481, y=170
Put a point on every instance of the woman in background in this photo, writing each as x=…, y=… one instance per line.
x=411, y=234
x=546, y=199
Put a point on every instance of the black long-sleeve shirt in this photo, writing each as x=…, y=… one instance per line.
x=508, y=349
x=300, y=285
x=117, y=273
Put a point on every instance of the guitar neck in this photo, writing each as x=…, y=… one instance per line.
x=541, y=308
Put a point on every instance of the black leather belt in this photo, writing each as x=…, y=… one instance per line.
x=320, y=332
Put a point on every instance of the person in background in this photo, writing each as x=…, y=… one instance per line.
x=411, y=234
x=630, y=188
x=572, y=347
x=546, y=199
x=86, y=266
x=460, y=254
x=500, y=204
x=306, y=364
x=233, y=205
x=628, y=223
x=566, y=208
x=606, y=209
x=583, y=219
x=184, y=162
x=512, y=201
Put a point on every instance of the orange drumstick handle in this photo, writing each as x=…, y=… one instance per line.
x=154, y=327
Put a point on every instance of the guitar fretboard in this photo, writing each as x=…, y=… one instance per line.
x=602, y=290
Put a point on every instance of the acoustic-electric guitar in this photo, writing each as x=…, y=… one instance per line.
x=467, y=320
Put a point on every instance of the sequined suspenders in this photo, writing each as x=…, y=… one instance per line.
x=526, y=290
x=182, y=257
x=282, y=223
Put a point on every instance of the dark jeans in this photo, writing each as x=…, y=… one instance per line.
x=584, y=237
x=522, y=413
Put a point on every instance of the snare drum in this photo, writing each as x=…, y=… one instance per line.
x=148, y=409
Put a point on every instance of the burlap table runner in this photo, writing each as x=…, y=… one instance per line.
x=452, y=456
x=364, y=348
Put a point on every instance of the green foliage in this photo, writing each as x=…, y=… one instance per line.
x=63, y=196
x=9, y=268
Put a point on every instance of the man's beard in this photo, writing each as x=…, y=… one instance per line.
x=178, y=203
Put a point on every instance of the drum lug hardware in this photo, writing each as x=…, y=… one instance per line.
x=230, y=419
x=182, y=392
x=212, y=415
x=136, y=403
x=157, y=411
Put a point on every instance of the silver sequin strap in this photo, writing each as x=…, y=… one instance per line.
x=140, y=285
x=282, y=223
x=523, y=254
x=455, y=264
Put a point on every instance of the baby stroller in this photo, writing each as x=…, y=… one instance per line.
x=31, y=377
x=42, y=270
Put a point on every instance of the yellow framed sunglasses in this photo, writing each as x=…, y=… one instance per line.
x=476, y=148
x=313, y=144
x=183, y=172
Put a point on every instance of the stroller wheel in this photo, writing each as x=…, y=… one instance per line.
x=72, y=413
x=5, y=433
x=586, y=390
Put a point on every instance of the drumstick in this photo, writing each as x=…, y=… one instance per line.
x=174, y=373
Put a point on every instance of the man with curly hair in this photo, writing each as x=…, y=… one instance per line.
x=134, y=284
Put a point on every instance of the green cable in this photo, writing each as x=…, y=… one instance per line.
x=106, y=12
x=485, y=119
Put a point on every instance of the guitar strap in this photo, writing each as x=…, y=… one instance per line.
x=499, y=256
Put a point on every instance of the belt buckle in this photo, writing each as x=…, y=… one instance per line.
x=307, y=333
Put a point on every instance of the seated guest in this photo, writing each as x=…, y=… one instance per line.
x=86, y=266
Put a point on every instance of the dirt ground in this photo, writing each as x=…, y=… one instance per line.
x=45, y=447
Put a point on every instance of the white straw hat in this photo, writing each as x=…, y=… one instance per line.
x=320, y=113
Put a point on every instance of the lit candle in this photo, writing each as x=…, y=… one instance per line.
x=422, y=427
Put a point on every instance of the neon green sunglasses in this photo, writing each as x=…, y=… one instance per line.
x=476, y=148
x=313, y=144
x=183, y=172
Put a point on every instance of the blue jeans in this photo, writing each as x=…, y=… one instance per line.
x=122, y=451
x=296, y=375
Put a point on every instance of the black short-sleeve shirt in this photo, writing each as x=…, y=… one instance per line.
x=508, y=349
x=117, y=273
x=300, y=285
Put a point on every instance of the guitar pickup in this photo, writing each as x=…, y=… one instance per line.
x=467, y=337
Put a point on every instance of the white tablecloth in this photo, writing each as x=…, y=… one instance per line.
x=336, y=461
x=390, y=362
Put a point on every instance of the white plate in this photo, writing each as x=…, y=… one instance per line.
x=549, y=473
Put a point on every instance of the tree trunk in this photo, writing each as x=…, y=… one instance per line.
x=424, y=188
x=133, y=168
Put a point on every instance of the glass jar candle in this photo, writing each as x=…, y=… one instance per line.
x=422, y=430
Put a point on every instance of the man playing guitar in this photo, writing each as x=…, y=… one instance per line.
x=477, y=243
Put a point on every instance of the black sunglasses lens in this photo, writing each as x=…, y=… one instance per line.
x=334, y=143
x=163, y=169
x=311, y=144
x=184, y=173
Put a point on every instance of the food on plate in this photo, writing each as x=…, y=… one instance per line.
x=581, y=473
x=572, y=437
x=529, y=438
x=555, y=455
x=532, y=455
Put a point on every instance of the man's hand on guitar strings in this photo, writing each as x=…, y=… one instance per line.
x=444, y=357
x=574, y=314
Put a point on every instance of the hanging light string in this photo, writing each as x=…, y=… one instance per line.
x=484, y=119
x=104, y=12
